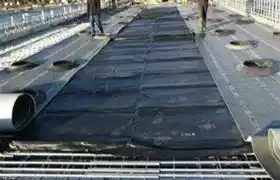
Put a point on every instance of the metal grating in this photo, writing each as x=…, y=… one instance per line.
x=90, y=166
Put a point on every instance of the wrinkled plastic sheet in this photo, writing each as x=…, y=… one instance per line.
x=141, y=93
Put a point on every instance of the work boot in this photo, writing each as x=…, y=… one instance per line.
x=102, y=36
x=102, y=31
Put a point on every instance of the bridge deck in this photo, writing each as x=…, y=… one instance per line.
x=156, y=87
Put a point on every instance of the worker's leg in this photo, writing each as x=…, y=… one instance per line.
x=202, y=10
x=200, y=15
x=98, y=22
x=113, y=4
x=204, y=18
x=91, y=22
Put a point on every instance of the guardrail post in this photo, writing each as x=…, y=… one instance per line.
x=43, y=16
x=52, y=15
x=23, y=17
x=12, y=20
x=277, y=14
x=23, y=20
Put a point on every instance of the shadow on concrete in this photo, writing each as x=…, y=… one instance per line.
x=214, y=26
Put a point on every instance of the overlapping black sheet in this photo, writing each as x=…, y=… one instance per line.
x=141, y=92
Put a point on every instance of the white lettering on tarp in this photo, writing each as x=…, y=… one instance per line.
x=188, y=134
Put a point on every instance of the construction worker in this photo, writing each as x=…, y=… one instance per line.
x=185, y=2
x=202, y=11
x=249, y=5
x=94, y=10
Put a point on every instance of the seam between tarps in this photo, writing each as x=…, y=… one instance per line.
x=129, y=143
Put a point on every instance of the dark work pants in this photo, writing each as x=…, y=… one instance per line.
x=95, y=19
x=202, y=11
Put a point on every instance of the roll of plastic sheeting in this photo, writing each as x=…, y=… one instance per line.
x=266, y=147
x=16, y=111
x=274, y=143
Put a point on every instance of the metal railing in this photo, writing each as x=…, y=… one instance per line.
x=265, y=11
x=13, y=29
x=32, y=48
x=27, y=24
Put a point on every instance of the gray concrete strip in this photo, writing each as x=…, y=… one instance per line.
x=257, y=96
